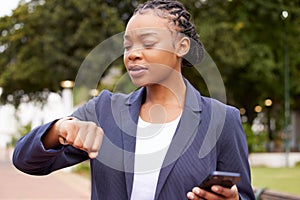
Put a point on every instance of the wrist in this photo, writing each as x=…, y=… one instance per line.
x=50, y=138
x=57, y=127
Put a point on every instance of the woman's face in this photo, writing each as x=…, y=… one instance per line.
x=150, y=50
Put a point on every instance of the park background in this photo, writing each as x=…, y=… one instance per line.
x=255, y=45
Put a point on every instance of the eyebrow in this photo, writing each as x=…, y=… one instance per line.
x=142, y=35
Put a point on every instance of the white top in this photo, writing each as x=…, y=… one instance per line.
x=152, y=143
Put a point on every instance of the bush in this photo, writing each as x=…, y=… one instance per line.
x=23, y=130
x=256, y=141
x=82, y=169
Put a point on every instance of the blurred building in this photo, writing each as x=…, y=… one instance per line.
x=295, y=131
x=33, y=114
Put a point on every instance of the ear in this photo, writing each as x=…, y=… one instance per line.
x=183, y=46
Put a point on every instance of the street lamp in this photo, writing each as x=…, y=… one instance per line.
x=284, y=15
x=268, y=104
x=67, y=95
x=244, y=118
x=1, y=91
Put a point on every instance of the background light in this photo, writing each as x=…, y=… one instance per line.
x=268, y=102
x=285, y=14
x=67, y=84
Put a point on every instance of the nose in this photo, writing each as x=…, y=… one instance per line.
x=134, y=54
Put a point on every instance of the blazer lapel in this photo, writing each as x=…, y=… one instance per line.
x=184, y=136
x=129, y=118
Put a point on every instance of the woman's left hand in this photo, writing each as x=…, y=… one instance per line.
x=222, y=193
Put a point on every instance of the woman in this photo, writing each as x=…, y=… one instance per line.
x=146, y=145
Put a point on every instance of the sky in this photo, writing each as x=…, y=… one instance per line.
x=6, y=6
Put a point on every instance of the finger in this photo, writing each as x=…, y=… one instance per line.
x=71, y=129
x=63, y=129
x=192, y=196
x=62, y=140
x=235, y=192
x=197, y=191
x=97, y=142
x=94, y=141
x=203, y=194
x=79, y=140
x=93, y=155
x=226, y=192
x=81, y=136
x=90, y=136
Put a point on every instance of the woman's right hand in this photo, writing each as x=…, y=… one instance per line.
x=83, y=135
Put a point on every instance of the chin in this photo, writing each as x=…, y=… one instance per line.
x=138, y=83
x=143, y=82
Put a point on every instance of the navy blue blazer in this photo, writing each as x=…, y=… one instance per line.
x=209, y=137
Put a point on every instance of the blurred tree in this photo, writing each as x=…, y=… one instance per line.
x=125, y=7
x=44, y=42
x=246, y=41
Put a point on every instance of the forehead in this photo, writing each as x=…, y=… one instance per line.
x=146, y=22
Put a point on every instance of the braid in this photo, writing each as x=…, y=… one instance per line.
x=180, y=17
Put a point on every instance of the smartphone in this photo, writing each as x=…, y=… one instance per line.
x=224, y=179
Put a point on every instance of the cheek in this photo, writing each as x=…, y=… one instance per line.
x=125, y=60
x=159, y=56
x=165, y=58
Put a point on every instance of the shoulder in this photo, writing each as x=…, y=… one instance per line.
x=210, y=105
x=107, y=95
x=216, y=106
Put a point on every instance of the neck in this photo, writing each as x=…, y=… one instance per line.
x=163, y=103
x=167, y=94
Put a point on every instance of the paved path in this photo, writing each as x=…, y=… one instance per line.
x=60, y=185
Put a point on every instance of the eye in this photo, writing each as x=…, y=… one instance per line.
x=126, y=47
x=149, y=44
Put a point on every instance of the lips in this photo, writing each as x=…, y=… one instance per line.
x=136, y=71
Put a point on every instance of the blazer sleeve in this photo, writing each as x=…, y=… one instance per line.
x=31, y=157
x=233, y=152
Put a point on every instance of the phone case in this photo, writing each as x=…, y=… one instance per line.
x=225, y=179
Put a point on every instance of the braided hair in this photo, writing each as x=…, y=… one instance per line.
x=176, y=13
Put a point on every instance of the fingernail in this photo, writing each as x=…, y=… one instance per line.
x=215, y=188
x=93, y=155
x=196, y=190
x=191, y=195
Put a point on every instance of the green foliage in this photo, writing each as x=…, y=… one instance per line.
x=82, y=169
x=256, y=141
x=247, y=41
x=44, y=42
